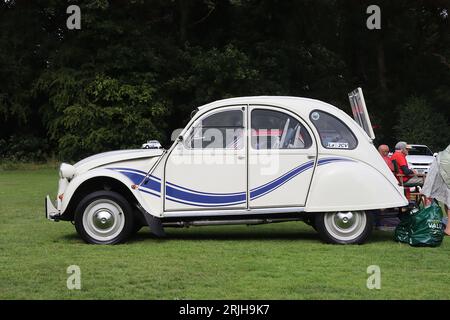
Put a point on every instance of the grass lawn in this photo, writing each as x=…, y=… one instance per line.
x=279, y=261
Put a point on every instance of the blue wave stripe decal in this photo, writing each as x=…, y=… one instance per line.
x=261, y=191
x=129, y=169
x=254, y=189
x=329, y=160
x=203, y=193
x=284, y=176
x=136, y=177
x=204, y=198
x=142, y=173
x=192, y=197
x=149, y=192
x=202, y=205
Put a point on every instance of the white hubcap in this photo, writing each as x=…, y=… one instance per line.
x=103, y=219
x=345, y=226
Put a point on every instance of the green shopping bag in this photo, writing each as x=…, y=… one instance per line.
x=402, y=231
x=421, y=227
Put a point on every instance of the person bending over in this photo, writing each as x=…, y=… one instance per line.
x=437, y=183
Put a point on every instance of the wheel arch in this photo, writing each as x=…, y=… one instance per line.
x=98, y=183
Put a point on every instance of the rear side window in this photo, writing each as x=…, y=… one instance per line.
x=334, y=134
x=277, y=130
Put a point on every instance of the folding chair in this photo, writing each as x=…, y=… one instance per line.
x=415, y=195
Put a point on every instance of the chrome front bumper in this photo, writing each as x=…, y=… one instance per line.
x=51, y=213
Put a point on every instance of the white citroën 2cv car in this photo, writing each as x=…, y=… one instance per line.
x=248, y=160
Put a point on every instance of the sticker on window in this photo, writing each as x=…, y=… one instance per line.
x=337, y=145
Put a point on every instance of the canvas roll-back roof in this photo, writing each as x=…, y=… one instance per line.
x=299, y=105
x=302, y=106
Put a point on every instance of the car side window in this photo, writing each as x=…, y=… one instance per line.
x=220, y=130
x=334, y=134
x=277, y=130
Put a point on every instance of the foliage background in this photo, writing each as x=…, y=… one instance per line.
x=136, y=69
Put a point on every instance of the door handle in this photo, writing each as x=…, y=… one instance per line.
x=311, y=157
x=241, y=157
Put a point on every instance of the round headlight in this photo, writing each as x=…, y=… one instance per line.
x=66, y=171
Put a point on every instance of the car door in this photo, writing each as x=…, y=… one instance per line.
x=282, y=156
x=208, y=169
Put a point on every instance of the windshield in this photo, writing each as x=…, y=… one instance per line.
x=420, y=151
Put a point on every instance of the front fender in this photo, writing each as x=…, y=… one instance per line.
x=352, y=185
x=98, y=173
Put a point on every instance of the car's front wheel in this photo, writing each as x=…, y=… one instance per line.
x=344, y=227
x=104, y=217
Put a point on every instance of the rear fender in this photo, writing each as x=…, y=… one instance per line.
x=352, y=185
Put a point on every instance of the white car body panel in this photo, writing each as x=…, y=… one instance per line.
x=101, y=172
x=336, y=187
x=100, y=159
x=286, y=185
x=199, y=186
x=281, y=178
x=128, y=172
x=202, y=179
x=332, y=179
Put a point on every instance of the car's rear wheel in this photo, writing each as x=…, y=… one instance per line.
x=344, y=227
x=104, y=217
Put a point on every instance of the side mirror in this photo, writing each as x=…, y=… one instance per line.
x=435, y=154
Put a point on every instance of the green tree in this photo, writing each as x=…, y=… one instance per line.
x=70, y=92
x=418, y=123
x=91, y=115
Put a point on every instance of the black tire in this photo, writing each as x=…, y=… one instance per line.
x=329, y=224
x=114, y=208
